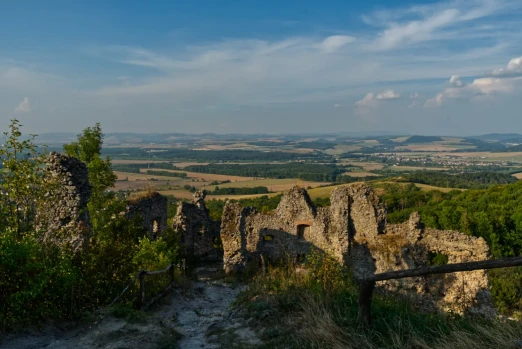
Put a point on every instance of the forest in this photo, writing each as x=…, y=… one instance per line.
x=309, y=172
x=135, y=168
x=239, y=191
x=182, y=154
x=494, y=214
x=469, y=180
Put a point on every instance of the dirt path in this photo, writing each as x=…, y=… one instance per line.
x=200, y=318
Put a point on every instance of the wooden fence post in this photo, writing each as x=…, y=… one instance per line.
x=365, y=302
x=367, y=285
x=142, y=288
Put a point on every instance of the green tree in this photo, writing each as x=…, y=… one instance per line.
x=21, y=180
x=88, y=149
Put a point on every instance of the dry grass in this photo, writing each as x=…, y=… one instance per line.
x=275, y=185
x=400, y=139
x=424, y=187
x=518, y=175
x=367, y=166
x=305, y=313
x=319, y=330
x=486, y=154
x=185, y=164
x=361, y=174
x=149, y=192
x=184, y=194
x=204, y=176
x=323, y=192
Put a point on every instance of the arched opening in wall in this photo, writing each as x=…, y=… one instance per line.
x=155, y=229
x=302, y=231
x=436, y=258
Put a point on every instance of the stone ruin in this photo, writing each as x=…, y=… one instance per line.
x=199, y=233
x=152, y=209
x=354, y=231
x=64, y=217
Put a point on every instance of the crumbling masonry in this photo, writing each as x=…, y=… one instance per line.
x=152, y=210
x=354, y=231
x=199, y=233
x=64, y=217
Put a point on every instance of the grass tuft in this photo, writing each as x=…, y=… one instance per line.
x=316, y=307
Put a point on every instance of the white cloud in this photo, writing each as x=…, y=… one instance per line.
x=455, y=81
x=414, y=31
x=368, y=101
x=24, y=106
x=505, y=81
x=335, y=42
x=414, y=95
x=435, y=101
x=388, y=94
x=432, y=22
x=337, y=106
x=514, y=67
x=372, y=100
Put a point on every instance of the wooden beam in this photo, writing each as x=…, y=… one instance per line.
x=447, y=268
x=367, y=285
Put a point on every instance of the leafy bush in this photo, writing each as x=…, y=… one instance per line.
x=36, y=281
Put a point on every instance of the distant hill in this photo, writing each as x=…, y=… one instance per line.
x=422, y=139
x=498, y=137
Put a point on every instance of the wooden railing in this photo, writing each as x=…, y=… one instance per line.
x=367, y=285
x=141, y=276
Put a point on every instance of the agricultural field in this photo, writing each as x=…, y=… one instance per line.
x=204, y=177
x=273, y=185
x=414, y=168
x=361, y=174
x=383, y=156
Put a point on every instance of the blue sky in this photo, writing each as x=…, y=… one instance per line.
x=428, y=67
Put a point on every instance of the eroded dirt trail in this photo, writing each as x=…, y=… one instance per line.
x=201, y=317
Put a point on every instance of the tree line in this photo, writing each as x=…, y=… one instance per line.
x=468, y=180
x=494, y=214
x=184, y=154
x=304, y=171
x=239, y=191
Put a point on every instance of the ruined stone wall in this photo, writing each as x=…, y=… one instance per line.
x=152, y=209
x=198, y=231
x=64, y=217
x=292, y=230
x=354, y=230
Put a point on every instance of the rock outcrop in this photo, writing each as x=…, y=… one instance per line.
x=354, y=231
x=199, y=233
x=152, y=210
x=64, y=217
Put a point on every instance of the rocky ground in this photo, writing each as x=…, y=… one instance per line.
x=198, y=318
